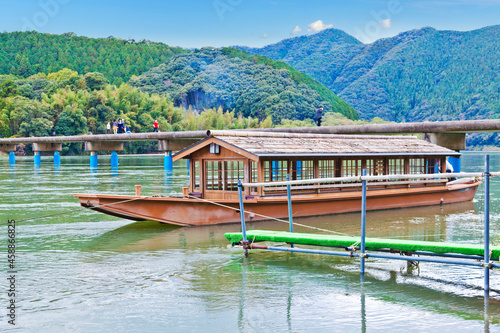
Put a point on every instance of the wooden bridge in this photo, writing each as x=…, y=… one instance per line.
x=449, y=134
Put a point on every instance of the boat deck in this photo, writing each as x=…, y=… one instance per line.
x=370, y=243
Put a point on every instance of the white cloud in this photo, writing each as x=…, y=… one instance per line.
x=296, y=30
x=264, y=36
x=387, y=23
x=318, y=26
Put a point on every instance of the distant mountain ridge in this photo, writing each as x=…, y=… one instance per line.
x=418, y=75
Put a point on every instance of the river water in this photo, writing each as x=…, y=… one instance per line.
x=88, y=272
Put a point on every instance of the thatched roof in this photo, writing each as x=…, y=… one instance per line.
x=255, y=144
x=334, y=145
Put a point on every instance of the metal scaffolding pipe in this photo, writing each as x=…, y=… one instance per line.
x=363, y=224
x=242, y=216
x=486, y=223
x=289, y=198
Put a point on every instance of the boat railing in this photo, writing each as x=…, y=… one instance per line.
x=356, y=181
x=343, y=186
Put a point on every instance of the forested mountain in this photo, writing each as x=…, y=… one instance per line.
x=418, y=75
x=255, y=86
x=209, y=78
x=28, y=53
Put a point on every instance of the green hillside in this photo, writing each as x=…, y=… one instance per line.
x=418, y=75
x=251, y=85
x=28, y=53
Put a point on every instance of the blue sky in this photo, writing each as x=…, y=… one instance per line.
x=197, y=23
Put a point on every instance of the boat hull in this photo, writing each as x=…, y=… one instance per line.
x=184, y=211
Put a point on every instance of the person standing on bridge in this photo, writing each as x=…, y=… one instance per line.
x=155, y=126
x=121, y=126
x=108, y=128
x=115, y=126
x=319, y=115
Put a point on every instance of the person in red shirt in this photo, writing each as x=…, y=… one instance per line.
x=155, y=126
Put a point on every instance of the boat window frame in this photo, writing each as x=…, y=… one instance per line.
x=197, y=176
x=222, y=174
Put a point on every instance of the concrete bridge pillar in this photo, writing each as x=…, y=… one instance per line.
x=57, y=158
x=170, y=145
x=11, y=148
x=47, y=146
x=38, y=159
x=114, y=159
x=455, y=163
x=167, y=160
x=95, y=146
x=454, y=141
x=93, y=159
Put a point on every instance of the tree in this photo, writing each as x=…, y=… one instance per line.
x=95, y=81
x=63, y=74
x=8, y=88
x=71, y=122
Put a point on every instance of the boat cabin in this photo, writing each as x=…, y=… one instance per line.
x=219, y=161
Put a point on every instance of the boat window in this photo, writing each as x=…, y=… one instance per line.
x=254, y=175
x=275, y=170
x=213, y=175
x=351, y=168
x=302, y=170
x=233, y=170
x=433, y=165
x=416, y=165
x=196, y=178
x=375, y=167
x=396, y=166
x=326, y=168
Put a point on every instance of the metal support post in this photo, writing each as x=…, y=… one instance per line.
x=12, y=158
x=38, y=158
x=289, y=194
x=168, y=163
x=486, y=224
x=114, y=159
x=242, y=216
x=57, y=158
x=363, y=225
x=93, y=159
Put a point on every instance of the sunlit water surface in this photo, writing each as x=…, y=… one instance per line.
x=89, y=272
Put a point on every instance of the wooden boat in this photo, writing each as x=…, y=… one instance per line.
x=219, y=161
